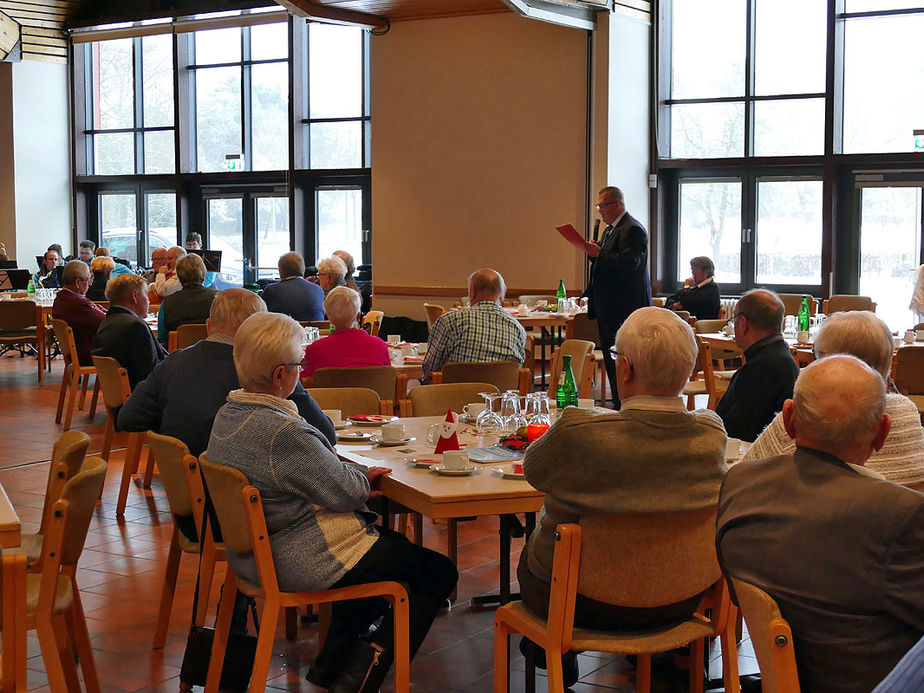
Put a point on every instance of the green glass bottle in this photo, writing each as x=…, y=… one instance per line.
x=31, y=288
x=804, y=315
x=561, y=293
x=566, y=395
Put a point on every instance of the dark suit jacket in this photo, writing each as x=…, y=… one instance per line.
x=758, y=389
x=127, y=338
x=83, y=316
x=703, y=302
x=619, y=281
x=188, y=306
x=841, y=553
x=182, y=395
x=296, y=297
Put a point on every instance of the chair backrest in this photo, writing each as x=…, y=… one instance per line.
x=113, y=381
x=17, y=315
x=349, y=400
x=172, y=457
x=909, y=370
x=645, y=560
x=771, y=638
x=382, y=379
x=189, y=334
x=704, y=326
x=842, y=302
x=585, y=328
x=793, y=302
x=684, y=314
x=505, y=375
x=919, y=326
x=658, y=301
x=372, y=321
x=580, y=351
x=65, y=336
x=80, y=492
x=532, y=299
x=433, y=311
x=67, y=457
x=434, y=400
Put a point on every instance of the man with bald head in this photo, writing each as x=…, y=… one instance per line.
x=158, y=260
x=483, y=332
x=842, y=553
x=758, y=389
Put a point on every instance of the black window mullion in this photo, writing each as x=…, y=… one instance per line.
x=138, y=91
x=749, y=75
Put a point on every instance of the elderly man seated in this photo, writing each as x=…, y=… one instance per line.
x=841, y=553
x=72, y=305
x=123, y=334
x=166, y=282
x=758, y=389
x=158, y=260
x=292, y=295
x=651, y=456
x=862, y=334
x=348, y=346
x=484, y=332
x=191, y=304
x=700, y=296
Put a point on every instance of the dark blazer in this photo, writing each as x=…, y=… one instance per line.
x=83, y=316
x=296, y=297
x=619, y=281
x=703, y=302
x=189, y=305
x=758, y=389
x=52, y=279
x=128, y=339
x=841, y=553
x=182, y=395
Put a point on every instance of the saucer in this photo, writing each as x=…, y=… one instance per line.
x=465, y=471
x=509, y=473
x=378, y=440
x=371, y=419
x=420, y=462
x=342, y=425
x=354, y=437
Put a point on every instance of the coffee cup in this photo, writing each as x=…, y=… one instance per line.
x=802, y=337
x=333, y=415
x=898, y=342
x=408, y=350
x=392, y=432
x=728, y=331
x=522, y=309
x=394, y=339
x=909, y=336
x=455, y=459
x=442, y=429
x=585, y=404
x=472, y=410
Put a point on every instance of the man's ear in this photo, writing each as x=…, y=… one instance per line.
x=788, y=417
x=882, y=432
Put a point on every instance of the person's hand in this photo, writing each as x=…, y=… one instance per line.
x=162, y=270
x=374, y=474
x=592, y=248
x=676, y=306
x=689, y=282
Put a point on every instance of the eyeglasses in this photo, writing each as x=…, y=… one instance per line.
x=606, y=204
x=289, y=365
x=619, y=353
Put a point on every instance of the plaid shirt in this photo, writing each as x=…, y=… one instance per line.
x=484, y=332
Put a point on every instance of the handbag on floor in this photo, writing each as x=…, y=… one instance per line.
x=239, y=655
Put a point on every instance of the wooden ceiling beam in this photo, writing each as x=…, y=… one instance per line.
x=335, y=15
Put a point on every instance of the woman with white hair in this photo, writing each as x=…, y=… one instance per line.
x=332, y=272
x=321, y=533
x=348, y=346
x=860, y=333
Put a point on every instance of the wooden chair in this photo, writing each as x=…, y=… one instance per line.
x=113, y=381
x=842, y=302
x=179, y=473
x=637, y=560
x=792, y=303
x=53, y=606
x=505, y=375
x=581, y=352
x=67, y=457
x=718, y=355
x=583, y=327
x=240, y=513
x=709, y=384
x=658, y=301
x=771, y=638
x=351, y=400
x=435, y=400
x=707, y=326
x=17, y=326
x=372, y=322
x=73, y=372
x=909, y=374
x=187, y=335
x=13, y=621
x=433, y=311
x=390, y=385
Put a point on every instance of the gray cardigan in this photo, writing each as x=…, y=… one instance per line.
x=319, y=526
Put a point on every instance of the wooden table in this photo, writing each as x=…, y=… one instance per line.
x=444, y=497
x=13, y=580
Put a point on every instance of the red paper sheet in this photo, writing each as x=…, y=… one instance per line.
x=570, y=234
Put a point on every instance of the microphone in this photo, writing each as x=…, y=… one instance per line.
x=596, y=229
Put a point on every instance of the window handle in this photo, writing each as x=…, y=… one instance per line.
x=745, y=235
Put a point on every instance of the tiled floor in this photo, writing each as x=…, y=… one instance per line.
x=121, y=570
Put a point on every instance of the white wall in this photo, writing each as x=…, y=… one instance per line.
x=41, y=159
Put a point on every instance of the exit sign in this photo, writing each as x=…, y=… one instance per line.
x=234, y=162
x=919, y=140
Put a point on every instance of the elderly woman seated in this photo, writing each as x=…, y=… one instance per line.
x=860, y=333
x=101, y=268
x=348, y=346
x=331, y=273
x=322, y=534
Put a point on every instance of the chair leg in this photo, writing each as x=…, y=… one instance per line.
x=501, y=658
x=167, y=591
x=452, y=535
x=402, y=661
x=222, y=628
x=730, y=657
x=65, y=377
x=148, y=468
x=71, y=401
x=208, y=572
x=129, y=467
x=78, y=626
x=83, y=391
x=107, y=437
x=48, y=642
x=697, y=654
x=95, y=396
x=643, y=673
x=554, y=670
x=263, y=657
x=291, y=623
x=66, y=652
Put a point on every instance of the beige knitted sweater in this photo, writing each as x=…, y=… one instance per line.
x=651, y=456
x=901, y=459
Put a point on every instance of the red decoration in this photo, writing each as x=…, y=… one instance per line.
x=448, y=439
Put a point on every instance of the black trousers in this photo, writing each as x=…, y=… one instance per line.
x=428, y=577
x=607, y=332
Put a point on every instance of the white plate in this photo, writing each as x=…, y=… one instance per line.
x=509, y=473
x=377, y=420
x=378, y=440
x=465, y=471
x=342, y=425
x=420, y=462
x=354, y=437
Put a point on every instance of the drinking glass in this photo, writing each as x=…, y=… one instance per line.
x=510, y=411
x=537, y=408
x=789, y=327
x=489, y=421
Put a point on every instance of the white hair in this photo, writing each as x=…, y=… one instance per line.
x=342, y=306
x=263, y=342
x=858, y=333
x=661, y=348
x=838, y=401
x=333, y=266
x=232, y=307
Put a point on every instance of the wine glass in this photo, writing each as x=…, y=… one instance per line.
x=489, y=421
x=537, y=408
x=510, y=411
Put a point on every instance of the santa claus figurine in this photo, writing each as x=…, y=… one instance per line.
x=448, y=440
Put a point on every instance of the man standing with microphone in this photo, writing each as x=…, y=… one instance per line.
x=619, y=282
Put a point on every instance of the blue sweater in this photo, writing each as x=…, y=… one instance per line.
x=300, y=299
